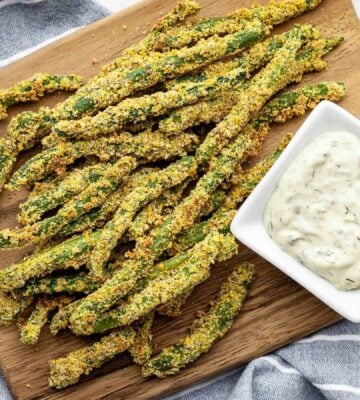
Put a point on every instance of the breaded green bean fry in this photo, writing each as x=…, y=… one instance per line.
x=98, y=217
x=151, y=189
x=273, y=14
x=280, y=109
x=134, y=55
x=31, y=329
x=216, y=109
x=12, y=307
x=92, y=196
x=67, y=370
x=104, y=91
x=141, y=108
x=161, y=290
x=146, y=146
x=251, y=60
x=141, y=349
x=173, y=308
x=183, y=216
x=26, y=129
x=29, y=128
x=138, y=109
x=36, y=87
x=206, y=331
x=74, y=183
x=222, y=218
x=280, y=71
x=189, y=209
x=71, y=254
x=154, y=213
x=71, y=284
x=296, y=102
x=61, y=319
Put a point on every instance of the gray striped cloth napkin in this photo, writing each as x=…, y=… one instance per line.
x=323, y=366
x=27, y=23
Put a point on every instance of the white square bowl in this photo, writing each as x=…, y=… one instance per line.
x=248, y=225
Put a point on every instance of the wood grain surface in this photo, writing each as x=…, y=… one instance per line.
x=277, y=312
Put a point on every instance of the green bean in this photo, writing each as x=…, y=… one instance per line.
x=105, y=91
x=177, y=15
x=188, y=210
x=97, y=217
x=29, y=128
x=206, y=331
x=296, y=102
x=257, y=56
x=224, y=76
x=154, y=213
x=173, y=308
x=183, y=216
x=139, y=109
x=92, y=196
x=281, y=70
x=67, y=370
x=49, y=183
x=32, y=210
x=220, y=221
x=61, y=319
x=36, y=87
x=159, y=290
x=21, y=135
x=147, y=146
x=218, y=198
x=102, y=92
x=31, y=329
x=71, y=284
x=71, y=254
x=141, y=349
x=134, y=55
x=216, y=109
x=273, y=14
x=149, y=190
x=149, y=217
x=12, y=307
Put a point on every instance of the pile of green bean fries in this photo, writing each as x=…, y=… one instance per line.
x=140, y=174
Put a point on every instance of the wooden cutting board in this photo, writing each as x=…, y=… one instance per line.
x=277, y=312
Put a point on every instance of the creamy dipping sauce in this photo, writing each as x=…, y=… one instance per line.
x=314, y=213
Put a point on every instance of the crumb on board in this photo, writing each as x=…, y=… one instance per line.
x=94, y=61
x=199, y=314
x=124, y=27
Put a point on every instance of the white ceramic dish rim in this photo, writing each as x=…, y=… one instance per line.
x=248, y=226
